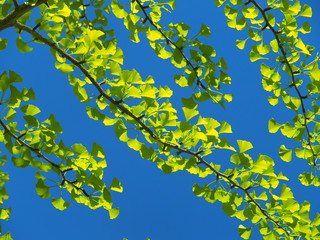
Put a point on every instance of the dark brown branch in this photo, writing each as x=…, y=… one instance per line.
x=39, y=154
x=292, y=74
x=168, y=40
x=144, y=127
x=19, y=11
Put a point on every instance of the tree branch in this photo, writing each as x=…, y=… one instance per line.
x=39, y=154
x=144, y=127
x=19, y=11
x=194, y=69
x=292, y=75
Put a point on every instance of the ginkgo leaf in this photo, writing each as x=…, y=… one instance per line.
x=244, y=145
x=22, y=46
x=285, y=154
x=60, y=203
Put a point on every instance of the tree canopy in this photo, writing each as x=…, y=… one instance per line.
x=176, y=123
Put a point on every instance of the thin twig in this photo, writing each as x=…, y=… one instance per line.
x=292, y=75
x=18, y=11
x=194, y=69
x=39, y=154
x=143, y=126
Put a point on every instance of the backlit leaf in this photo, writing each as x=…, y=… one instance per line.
x=116, y=185
x=306, y=11
x=285, y=154
x=244, y=145
x=204, y=31
x=244, y=232
x=60, y=203
x=22, y=46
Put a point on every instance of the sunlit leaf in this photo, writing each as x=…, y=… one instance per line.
x=244, y=145
x=22, y=46
x=60, y=203
x=244, y=232
x=285, y=154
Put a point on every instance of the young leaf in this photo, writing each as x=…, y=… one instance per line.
x=22, y=46
x=285, y=154
x=42, y=189
x=306, y=11
x=273, y=126
x=204, y=31
x=114, y=213
x=116, y=185
x=30, y=109
x=60, y=203
x=244, y=145
x=244, y=232
x=241, y=43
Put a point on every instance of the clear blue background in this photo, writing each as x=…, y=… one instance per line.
x=154, y=205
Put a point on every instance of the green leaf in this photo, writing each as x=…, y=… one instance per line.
x=244, y=232
x=60, y=203
x=265, y=70
x=241, y=43
x=178, y=59
x=165, y=168
x=20, y=162
x=160, y=50
x=189, y=113
x=315, y=73
x=118, y=10
x=306, y=11
x=228, y=208
x=241, y=159
x=165, y=92
x=225, y=128
x=22, y=46
x=134, y=144
x=3, y=43
x=80, y=150
x=222, y=63
x=300, y=44
x=285, y=154
x=286, y=193
x=97, y=151
x=263, y=49
x=181, y=80
x=6, y=236
x=14, y=77
x=274, y=45
x=219, y=2
x=308, y=179
x=250, y=12
x=4, y=82
x=81, y=93
x=273, y=126
x=204, y=31
x=182, y=29
x=30, y=109
x=42, y=189
x=64, y=67
x=116, y=185
x=305, y=28
x=244, y=145
x=198, y=191
x=114, y=213
x=118, y=56
x=5, y=213
x=54, y=124
x=121, y=131
x=273, y=100
x=154, y=35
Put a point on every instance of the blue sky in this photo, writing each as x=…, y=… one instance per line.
x=154, y=205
